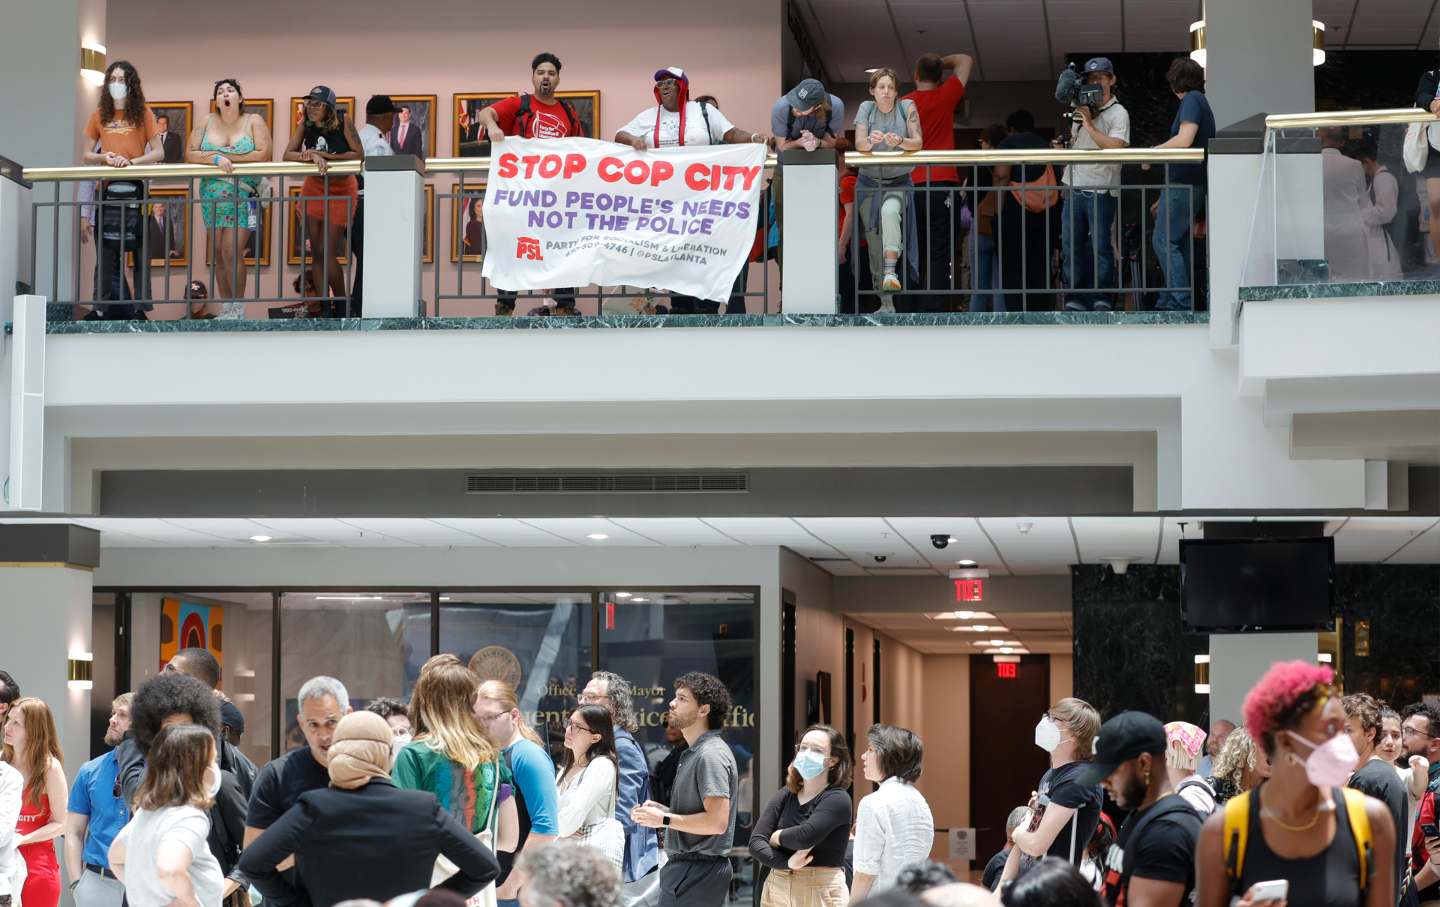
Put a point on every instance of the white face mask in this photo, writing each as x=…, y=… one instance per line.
x=212, y=781
x=1047, y=734
x=119, y=90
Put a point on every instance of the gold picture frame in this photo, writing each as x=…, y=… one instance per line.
x=460, y=219
x=261, y=107
x=292, y=230
x=586, y=105
x=155, y=228
x=181, y=118
x=423, y=108
x=467, y=140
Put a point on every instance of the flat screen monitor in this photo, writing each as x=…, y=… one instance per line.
x=1232, y=585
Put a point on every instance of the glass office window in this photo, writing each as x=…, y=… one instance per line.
x=539, y=642
x=373, y=642
x=236, y=627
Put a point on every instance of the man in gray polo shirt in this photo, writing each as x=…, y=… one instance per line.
x=700, y=819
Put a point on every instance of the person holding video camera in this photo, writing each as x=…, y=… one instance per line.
x=1099, y=121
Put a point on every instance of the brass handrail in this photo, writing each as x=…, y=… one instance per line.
x=1031, y=156
x=175, y=171
x=1349, y=118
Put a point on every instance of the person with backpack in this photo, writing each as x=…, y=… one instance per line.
x=1152, y=863
x=536, y=115
x=1300, y=837
x=1022, y=219
x=806, y=117
x=1184, y=743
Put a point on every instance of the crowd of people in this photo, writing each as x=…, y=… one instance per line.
x=451, y=798
x=923, y=237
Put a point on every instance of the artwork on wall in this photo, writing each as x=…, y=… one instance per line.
x=173, y=118
x=470, y=140
x=264, y=108
x=167, y=229
x=586, y=105
x=467, y=223
x=188, y=625
x=414, y=129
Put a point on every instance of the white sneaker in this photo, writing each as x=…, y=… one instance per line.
x=891, y=283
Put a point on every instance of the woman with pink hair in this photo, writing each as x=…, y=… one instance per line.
x=1299, y=829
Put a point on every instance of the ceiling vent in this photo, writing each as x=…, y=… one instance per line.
x=611, y=483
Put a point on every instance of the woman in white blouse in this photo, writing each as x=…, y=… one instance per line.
x=894, y=826
x=161, y=856
x=588, y=782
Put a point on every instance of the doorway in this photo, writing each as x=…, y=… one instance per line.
x=1005, y=763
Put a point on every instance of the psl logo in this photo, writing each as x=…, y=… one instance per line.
x=528, y=247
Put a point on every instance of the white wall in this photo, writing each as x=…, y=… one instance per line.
x=1238, y=660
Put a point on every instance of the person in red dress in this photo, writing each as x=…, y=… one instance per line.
x=33, y=747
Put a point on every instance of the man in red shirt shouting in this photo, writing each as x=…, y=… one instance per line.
x=540, y=115
x=937, y=212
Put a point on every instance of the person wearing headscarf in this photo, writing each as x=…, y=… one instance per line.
x=675, y=120
x=362, y=837
x=1184, y=744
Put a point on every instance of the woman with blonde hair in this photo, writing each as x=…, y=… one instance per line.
x=1064, y=812
x=1240, y=766
x=450, y=756
x=162, y=856
x=497, y=708
x=32, y=746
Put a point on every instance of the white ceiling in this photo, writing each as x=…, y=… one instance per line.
x=1035, y=632
x=1029, y=39
x=845, y=546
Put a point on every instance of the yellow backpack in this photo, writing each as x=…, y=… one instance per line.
x=1237, y=835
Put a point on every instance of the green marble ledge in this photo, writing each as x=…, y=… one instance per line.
x=1341, y=290
x=939, y=319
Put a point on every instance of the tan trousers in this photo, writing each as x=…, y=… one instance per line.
x=818, y=887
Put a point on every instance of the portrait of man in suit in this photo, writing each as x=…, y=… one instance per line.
x=170, y=140
x=406, y=136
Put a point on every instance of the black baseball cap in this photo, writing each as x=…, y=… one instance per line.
x=322, y=94
x=1122, y=738
x=379, y=104
x=230, y=717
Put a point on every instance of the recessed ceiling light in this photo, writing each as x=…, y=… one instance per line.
x=260, y=538
x=872, y=70
x=997, y=642
x=597, y=536
x=980, y=628
x=622, y=594
x=966, y=563
x=642, y=600
x=349, y=598
x=953, y=540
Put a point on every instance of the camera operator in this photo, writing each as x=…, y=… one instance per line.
x=1099, y=121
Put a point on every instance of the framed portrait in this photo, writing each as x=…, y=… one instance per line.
x=264, y=108
x=294, y=227
x=174, y=119
x=167, y=228
x=262, y=209
x=427, y=251
x=469, y=139
x=586, y=105
x=467, y=224
x=297, y=112
x=414, y=129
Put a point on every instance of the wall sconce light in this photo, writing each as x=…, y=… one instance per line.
x=1317, y=42
x=92, y=63
x=78, y=672
x=1362, y=638
x=1202, y=674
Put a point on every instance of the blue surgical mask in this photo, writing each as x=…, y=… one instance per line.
x=809, y=764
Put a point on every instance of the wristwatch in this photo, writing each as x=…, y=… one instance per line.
x=665, y=820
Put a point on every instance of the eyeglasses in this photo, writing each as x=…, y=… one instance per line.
x=668, y=82
x=577, y=727
x=488, y=719
x=1411, y=732
x=809, y=748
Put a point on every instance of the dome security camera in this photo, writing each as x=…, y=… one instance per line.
x=880, y=558
x=940, y=540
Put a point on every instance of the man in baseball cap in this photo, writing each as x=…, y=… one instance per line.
x=1153, y=860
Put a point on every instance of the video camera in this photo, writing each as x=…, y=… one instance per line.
x=1072, y=89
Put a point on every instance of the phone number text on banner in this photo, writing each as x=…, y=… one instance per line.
x=572, y=212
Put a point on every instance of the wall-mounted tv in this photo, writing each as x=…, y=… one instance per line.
x=1235, y=585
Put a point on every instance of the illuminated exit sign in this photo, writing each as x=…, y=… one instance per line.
x=1007, y=670
x=969, y=590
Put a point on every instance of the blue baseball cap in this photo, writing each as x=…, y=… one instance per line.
x=1100, y=64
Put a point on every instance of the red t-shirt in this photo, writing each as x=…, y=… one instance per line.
x=546, y=121
x=847, y=197
x=937, y=124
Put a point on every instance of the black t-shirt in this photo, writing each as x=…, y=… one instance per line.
x=1164, y=849
x=1058, y=786
x=281, y=782
x=1378, y=779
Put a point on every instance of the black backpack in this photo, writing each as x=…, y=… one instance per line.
x=525, y=116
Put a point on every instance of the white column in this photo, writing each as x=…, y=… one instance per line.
x=394, y=234
x=809, y=232
x=1258, y=58
x=22, y=429
x=1238, y=660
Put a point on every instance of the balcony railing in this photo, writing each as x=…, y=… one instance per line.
x=1337, y=210
x=1128, y=237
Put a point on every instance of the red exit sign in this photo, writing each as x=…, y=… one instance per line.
x=969, y=590
x=1007, y=670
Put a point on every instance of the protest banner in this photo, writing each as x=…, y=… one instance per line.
x=572, y=212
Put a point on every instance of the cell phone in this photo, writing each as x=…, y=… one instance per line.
x=1276, y=890
x=1429, y=830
